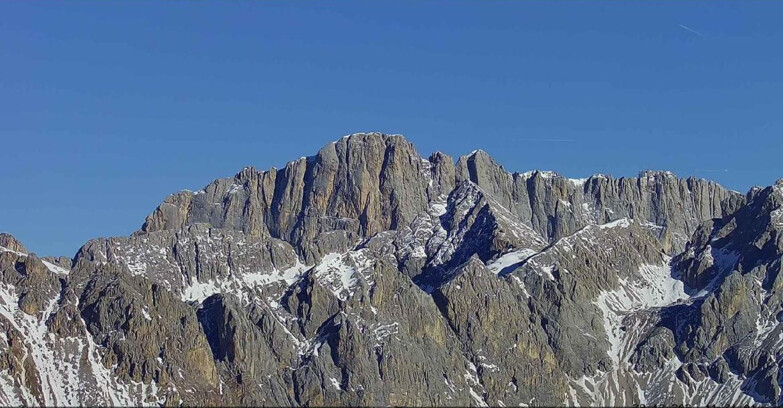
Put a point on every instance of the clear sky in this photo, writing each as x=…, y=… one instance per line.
x=108, y=107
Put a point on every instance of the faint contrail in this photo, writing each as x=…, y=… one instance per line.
x=546, y=140
x=684, y=27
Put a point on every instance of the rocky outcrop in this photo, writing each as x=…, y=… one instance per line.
x=352, y=188
x=367, y=183
x=8, y=242
x=556, y=206
x=733, y=267
x=368, y=275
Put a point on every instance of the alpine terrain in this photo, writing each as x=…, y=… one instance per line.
x=370, y=275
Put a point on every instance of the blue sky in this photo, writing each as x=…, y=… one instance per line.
x=108, y=107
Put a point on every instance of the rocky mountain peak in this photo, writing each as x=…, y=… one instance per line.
x=365, y=183
x=366, y=274
x=657, y=174
x=8, y=241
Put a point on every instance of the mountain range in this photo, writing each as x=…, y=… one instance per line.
x=370, y=275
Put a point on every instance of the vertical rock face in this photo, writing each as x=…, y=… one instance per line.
x=10, y=243
x=352, y=188
x=369, y=275
x=733, y=264
x=557, y=207
x=367, y=183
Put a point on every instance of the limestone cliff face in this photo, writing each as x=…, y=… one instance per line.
x=367, y=183
x=352, y=188
x=733, y=265
x=369, y=275
x=557, y=207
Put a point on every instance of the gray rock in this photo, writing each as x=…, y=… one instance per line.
x=8, y=241
x=368, y=275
